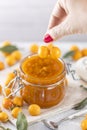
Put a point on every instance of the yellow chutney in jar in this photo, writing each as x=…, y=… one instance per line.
x=46, y=80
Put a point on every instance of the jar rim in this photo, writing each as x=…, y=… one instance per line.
x=35, y=78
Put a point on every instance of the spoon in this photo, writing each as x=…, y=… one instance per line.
x=54, y=125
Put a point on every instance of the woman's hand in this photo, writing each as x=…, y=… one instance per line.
x=68, y=17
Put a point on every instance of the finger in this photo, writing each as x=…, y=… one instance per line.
x=57, y=16
x=67, y=27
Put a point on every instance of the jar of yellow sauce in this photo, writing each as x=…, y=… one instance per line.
x=45, y=80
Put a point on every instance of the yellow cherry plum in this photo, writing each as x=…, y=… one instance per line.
x=18, y=101
x=43, y=52
x=16, y=111
x=3, y=117
x=55, y=52
x=34, y=110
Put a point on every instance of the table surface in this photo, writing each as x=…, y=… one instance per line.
x=68, y=125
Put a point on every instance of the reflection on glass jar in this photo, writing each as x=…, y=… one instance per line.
x=46, y=80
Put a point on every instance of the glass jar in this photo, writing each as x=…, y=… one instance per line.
x=45, y=80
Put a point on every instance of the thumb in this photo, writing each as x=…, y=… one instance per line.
x=67, y=27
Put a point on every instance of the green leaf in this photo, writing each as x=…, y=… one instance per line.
x=8, y=49
x=21, y=123
x=68, y=54
x=81, y=104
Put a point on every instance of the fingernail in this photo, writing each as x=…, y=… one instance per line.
x=48, y=38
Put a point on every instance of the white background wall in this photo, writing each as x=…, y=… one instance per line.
x=27, y=20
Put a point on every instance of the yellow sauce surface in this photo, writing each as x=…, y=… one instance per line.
x=42, y=68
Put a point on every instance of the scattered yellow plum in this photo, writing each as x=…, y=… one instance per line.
x=84, y=123
x=34, y=48
x=3, y=117
x=0, y=89
x=77, y=55
x=84, y=52
x=10, y=60
x=17, y=55
x=18, y=101
x=7, y=91
x=6, y=43
x=2, y=66
x=74, y=48
x=10, y=76
x=16, y=111
x=7, y=103
x=34, y=110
